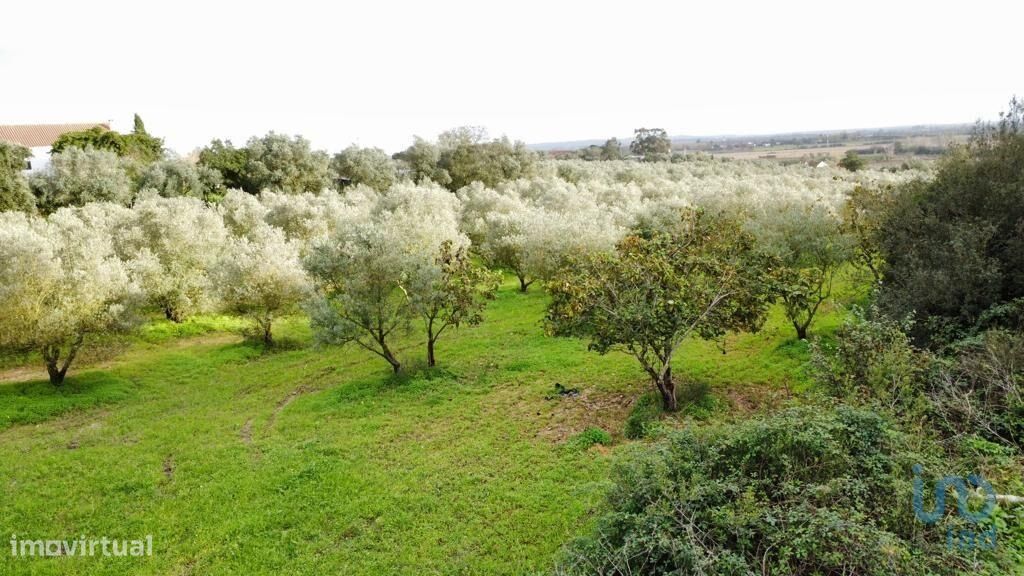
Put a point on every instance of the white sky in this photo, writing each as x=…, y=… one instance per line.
x=375, y=73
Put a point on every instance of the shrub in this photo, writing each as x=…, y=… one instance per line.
x=982, y=391
x=852, y=161
x=954, y=246
x=642, y=418
x=806, y=491
x=873, y=362
x=14, y=190
x=588, y=438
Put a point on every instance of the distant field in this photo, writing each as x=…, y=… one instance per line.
x=319, y=461
x=909, y=144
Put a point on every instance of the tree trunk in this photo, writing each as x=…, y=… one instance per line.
x=56, y=374
x=801, y=330
x=172, y=315
x=431, y=338
x=56, y=370
x=523, y=284
x=386, y=353
x=268, y=336
x=668, y=391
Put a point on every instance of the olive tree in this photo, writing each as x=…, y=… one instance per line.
x=176, y=177
x=533, y=236
x=373, y=277
x=863, y=213
x=359, y=298
x=260, y=276
x=703, y=279
x=810, y=246
x=76, y=176
x=243, y=213
x=451, y=293
x=60, y=282
x=171, y=244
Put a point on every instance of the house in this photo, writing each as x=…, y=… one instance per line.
x=39, y=138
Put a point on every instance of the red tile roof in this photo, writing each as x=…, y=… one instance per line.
x=36, y=135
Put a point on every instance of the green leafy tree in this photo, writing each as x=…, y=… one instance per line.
x=703, y=279
x=486, y=162
x=590, y=153
x=651, y=144
x=14, y=190
x=222, y=156
x=862, y=214
x=452, y=293
x=285, y=164
x=370, y=166
x=138, y=145
x=808, y=243
x=852, y=161
x=612, y=150
x=171, y=178
x=422, y=160
x=464, y=155
x=97, y=138
x=142, y=146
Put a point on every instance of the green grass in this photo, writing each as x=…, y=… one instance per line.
x=310, y=460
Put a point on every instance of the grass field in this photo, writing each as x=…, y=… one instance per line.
x=319, y=461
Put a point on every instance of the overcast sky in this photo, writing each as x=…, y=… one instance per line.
x=376, y=73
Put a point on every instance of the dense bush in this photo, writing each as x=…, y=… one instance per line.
x=589, y=438
x=954, y=246
x=14, y=191
x=873, y=362
x=982, y=391
x=805, y=491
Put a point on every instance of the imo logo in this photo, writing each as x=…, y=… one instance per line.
x=968, y=539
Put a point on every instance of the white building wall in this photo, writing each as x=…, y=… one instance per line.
x=39, y=159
